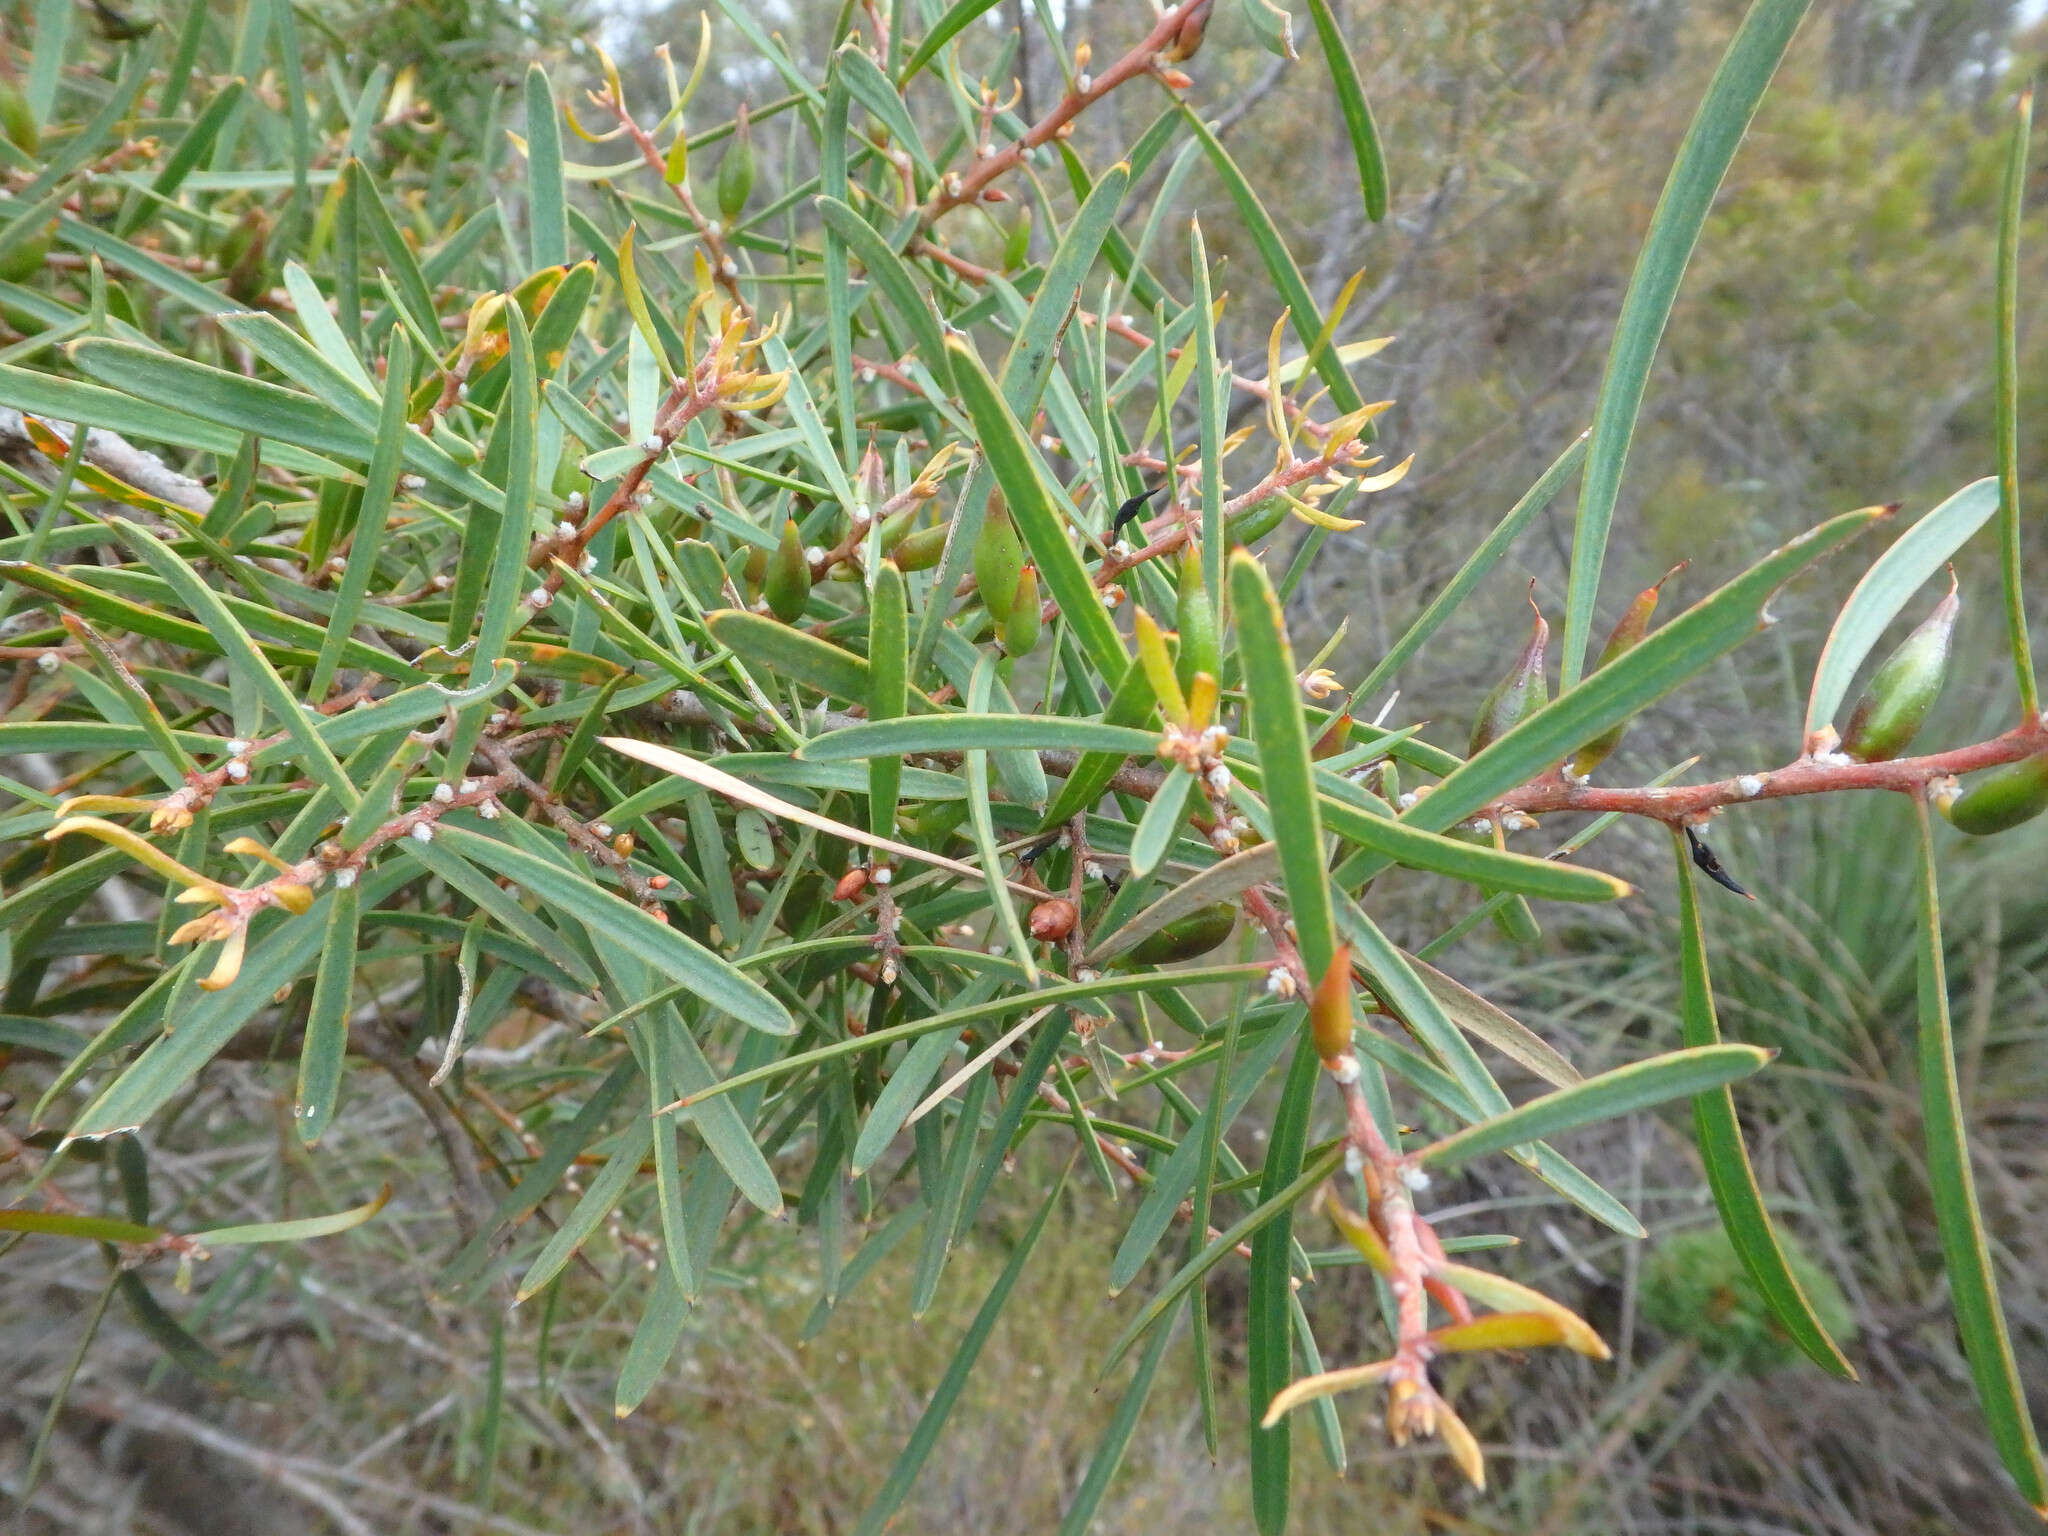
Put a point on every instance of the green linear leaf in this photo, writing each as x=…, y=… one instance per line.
x=775, y=647
x=944, y=30
x=1033, y=509
x=1973, y=1283
x=1269, y=1320
x=294, y=1231
x=546, y=203
x=324, y=1053
x=1887, y=586
x=961, y=732
x=874, y=90
x=1274, y=698
x=1029, y=362
x=670, y=952
x=1623, y=1091
x=1737, y=1194
x=1160, y=826
x=888, y=689
x=2012, y=198
x=1358, y=123
x=1709, y=146
x=96, y=1229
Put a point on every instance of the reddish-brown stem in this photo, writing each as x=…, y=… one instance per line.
x=958, y=191
x=1819, y=775
x=724, y=270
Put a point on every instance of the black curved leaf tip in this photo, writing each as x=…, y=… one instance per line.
x=1710, y=866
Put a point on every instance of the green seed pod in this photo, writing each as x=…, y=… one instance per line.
x=748, y=567
x=1199, y=649
x=896, y=528
x=1256, y=520
x=1518, y=695
x=242, y=257
x=1020, y=630
x=736, y=172
x=1895, y=705
x=569, y=477
x=998, y=560
x=1196, y=934
x=26, y=259
x=2001, y=800
x=18, y=119
x=787, y=582
x=1390, y=782
x=1017, y=240
x=920, y=551
x=1627, y=635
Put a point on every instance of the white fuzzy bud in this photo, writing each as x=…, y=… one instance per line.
x=652, y=443
x=467, y=787
x=237, y=771
x=587, y=564
x=1092, y=870
x=423, y=831
x=815, y=555
x=1354, y=1161
x=49, y=661
x=1085, y=975
x=565, y=529
x=862, y=514
x=1415, y=1179
x=412, y=482
x=883, y=875
x=1219, y=780
x=1408, y=799
x=540, y=597
x=443, y=793
x=576, y=502
x=602, y=828
x=488, y=810
x=1751, y=785
x=1346, y=1070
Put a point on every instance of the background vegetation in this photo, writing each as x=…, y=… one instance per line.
x=1831, y=348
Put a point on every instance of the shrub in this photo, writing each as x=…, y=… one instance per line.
x=774, y=616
